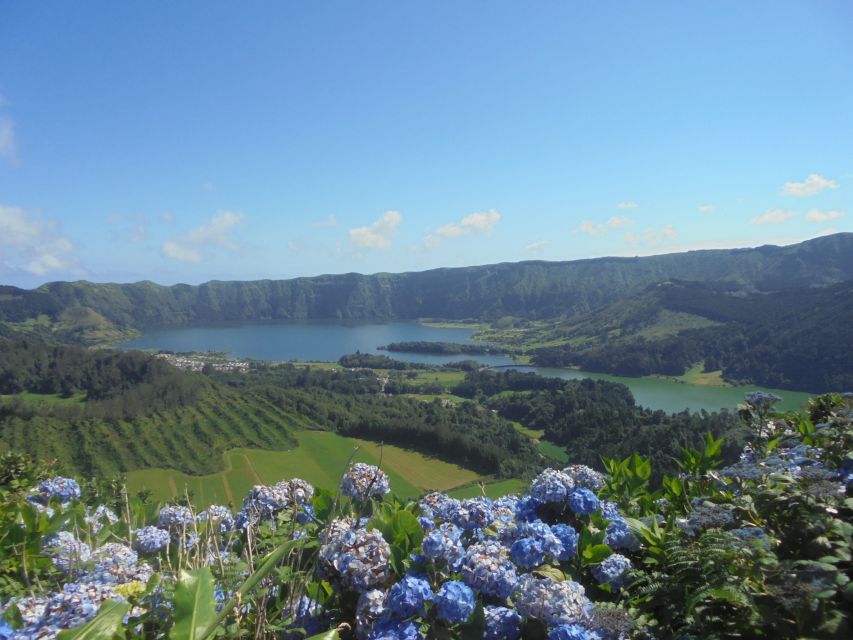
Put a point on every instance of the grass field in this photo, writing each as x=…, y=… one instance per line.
x=320, y=458
x=554, y=451
x=492, y=489
x=696, y=375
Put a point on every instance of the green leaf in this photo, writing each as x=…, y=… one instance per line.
x=13, y=616
x=548, y=571
x=406, y=528
x=322, y=503
x=104, y=626
x=331, y=634
x=195, y=607
x=595, y=553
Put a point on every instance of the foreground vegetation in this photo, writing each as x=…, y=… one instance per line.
x=759, y=548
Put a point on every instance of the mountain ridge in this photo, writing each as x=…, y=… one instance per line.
x=529, y=289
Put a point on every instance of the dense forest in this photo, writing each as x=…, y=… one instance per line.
x=595, y=418
x=442, y=348
x=525, y=289
x=791, y=339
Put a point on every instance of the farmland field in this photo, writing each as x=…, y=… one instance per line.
x=320, y=459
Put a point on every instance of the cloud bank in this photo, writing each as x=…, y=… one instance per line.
x=198, y=243
x=479, y=222
x=814, y=183
x=33, y=244
x=377, y=235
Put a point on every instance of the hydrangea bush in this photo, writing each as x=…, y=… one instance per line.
x=760, y=547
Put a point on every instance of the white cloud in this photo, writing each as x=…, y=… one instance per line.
x=613, y=222
x=813, y=184
x=474, y=223
x=330, y=220
x=36, y=245
x=652, y=237
x=193, y=246
x=773, y=216
x=816, y=215
x=8, y=142
x=167, y=216
x=630, y=204
x=378, y=235
x=537, y=246
x=706, y=208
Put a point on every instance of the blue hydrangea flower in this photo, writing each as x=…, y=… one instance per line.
x=550, y=601
x=572, y=632
x=66, y=489
x=526, y=508
x=150, y=539
x=115, y=563
x=357, y=557
x=393, y=629
x=501, y=624
x=552, y=486
x=487, y=569
x=618, y=536
x=612, y=570
x=455, y=602
x=610, y=510
x=364, y=481
x=438, y=506
x=369, y=609
x=569, y=540
x=308, y=614
x=474, y=513
x=585, y=477
x=176, y=518
x=527, y=553
x=409, y=597
x=217, y=513
x=443, y=544
x=544, y=534
x=583, y=501
x=67, y=552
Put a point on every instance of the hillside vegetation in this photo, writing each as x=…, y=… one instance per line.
x=773, y=339
x=525, y=289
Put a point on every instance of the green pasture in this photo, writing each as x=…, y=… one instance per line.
x=491, y=489
x=320, y=458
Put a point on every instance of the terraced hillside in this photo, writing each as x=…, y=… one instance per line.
x=190, y=438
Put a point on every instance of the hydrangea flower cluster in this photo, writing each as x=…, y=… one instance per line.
x=612, y=571
x=357, y=557
x=66, y=489
x=218, y=515
x=263, y=502
x=67, y=552
x=552, y=602
x=364, y=481
x=150, y=539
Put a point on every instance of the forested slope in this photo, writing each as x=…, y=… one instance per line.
x=796, y=338
x=525, y=289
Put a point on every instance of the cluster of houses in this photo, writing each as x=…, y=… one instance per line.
x=191, y=363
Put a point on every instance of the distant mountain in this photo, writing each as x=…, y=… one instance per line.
x=796, y=338
x=89, y=312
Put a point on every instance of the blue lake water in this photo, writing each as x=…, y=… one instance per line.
x=329, y=340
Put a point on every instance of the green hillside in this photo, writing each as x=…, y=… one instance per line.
x=773, y=339
x=526, y=289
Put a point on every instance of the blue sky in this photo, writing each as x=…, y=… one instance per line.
x=183, y=142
